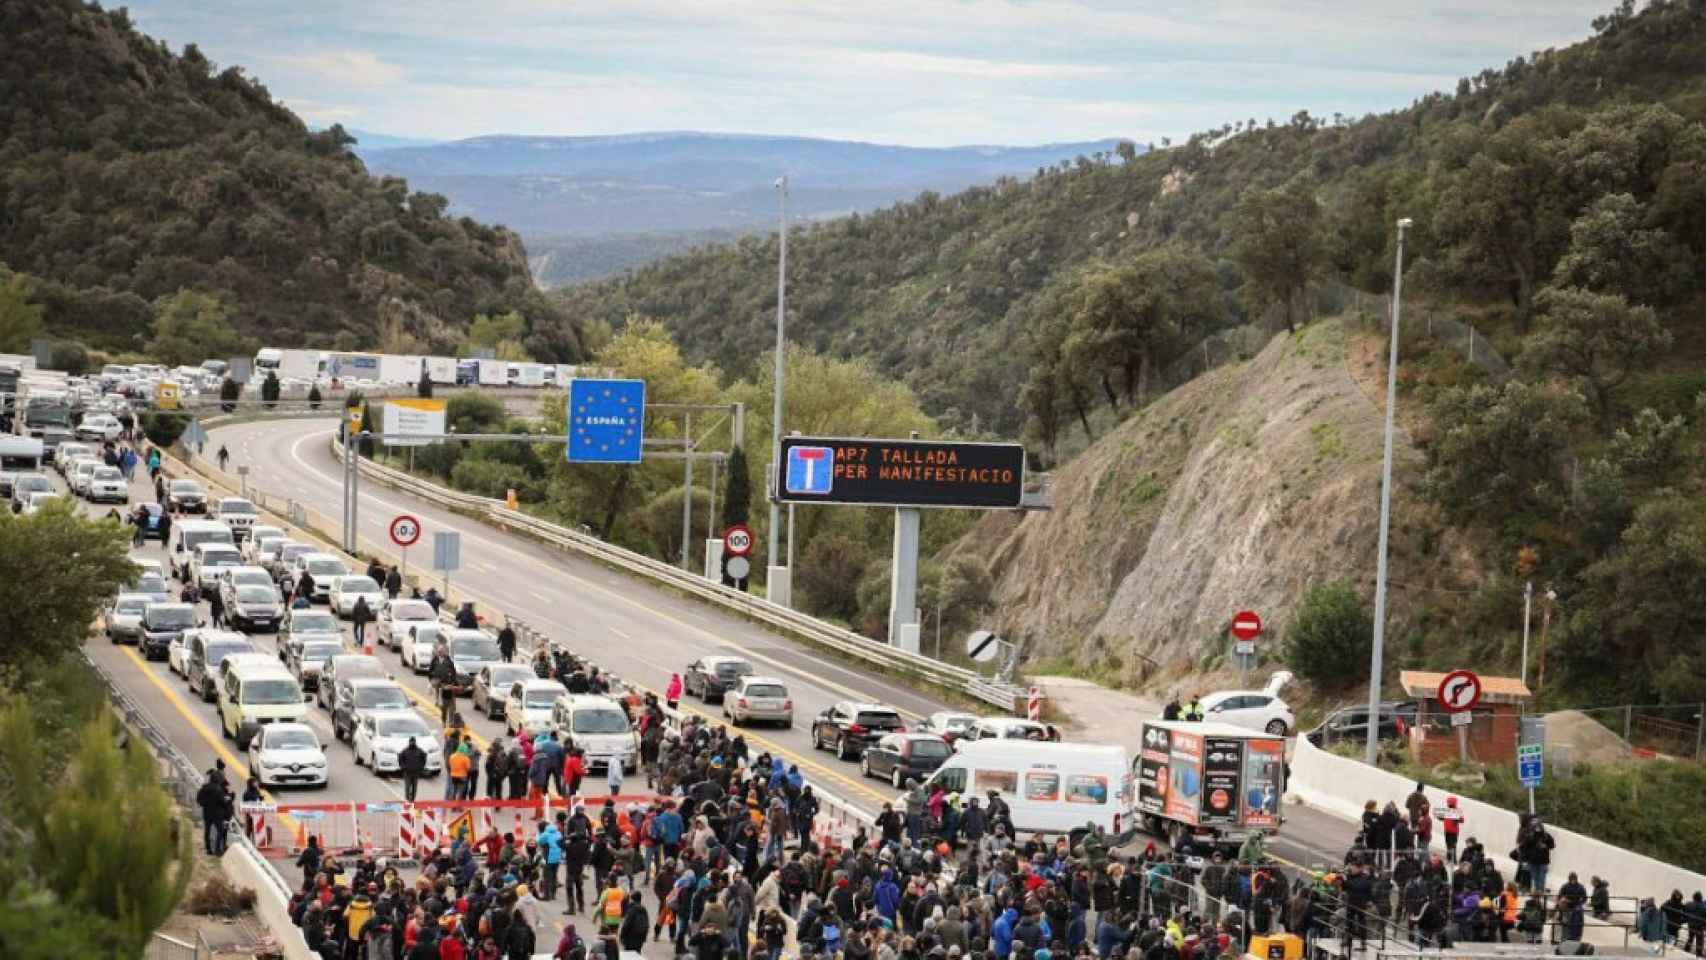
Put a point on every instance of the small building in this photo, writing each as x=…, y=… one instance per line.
x=1493, y=733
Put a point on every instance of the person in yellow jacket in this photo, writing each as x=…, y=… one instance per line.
x=356, y=915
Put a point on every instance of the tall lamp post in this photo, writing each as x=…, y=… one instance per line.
x=1374, y=666
x=776, y=470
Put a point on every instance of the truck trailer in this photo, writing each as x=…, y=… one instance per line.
x=1213, y=783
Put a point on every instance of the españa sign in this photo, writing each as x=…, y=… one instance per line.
x=902, y=473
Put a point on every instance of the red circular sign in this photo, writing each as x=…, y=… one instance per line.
x=737, y=540
x=405, y=530
x=1458, y=691
x=1246, y=625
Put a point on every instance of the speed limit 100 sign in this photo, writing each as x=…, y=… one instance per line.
x=405, y=530
x=737, y=540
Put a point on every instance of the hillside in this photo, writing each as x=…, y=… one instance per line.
x=1557, y=205
x=128, y=173
x=592, y=206
x=965, y=277
x=1235, y=491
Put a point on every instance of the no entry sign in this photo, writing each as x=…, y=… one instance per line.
x=1246, y=625
x=405, y=530
x=1459, y=690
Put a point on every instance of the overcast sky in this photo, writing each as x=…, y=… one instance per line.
x=925, y=72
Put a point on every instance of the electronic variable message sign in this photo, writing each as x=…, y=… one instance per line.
x=902, y=473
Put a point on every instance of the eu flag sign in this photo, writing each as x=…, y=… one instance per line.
x=606, y=420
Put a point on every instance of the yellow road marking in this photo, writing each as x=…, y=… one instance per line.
x=218, y=745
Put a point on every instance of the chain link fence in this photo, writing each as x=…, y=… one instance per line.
x=166, y=947
x=1464, y=339
x=1641, y=731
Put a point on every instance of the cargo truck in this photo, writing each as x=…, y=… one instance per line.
x=1213, y=783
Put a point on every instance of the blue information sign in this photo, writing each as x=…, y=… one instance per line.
x=606, y=420
x=1530, y=764
x=810, y=470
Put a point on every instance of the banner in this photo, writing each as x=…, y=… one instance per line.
x=1223, y=760
x=1184, y=777
x=1264, y=767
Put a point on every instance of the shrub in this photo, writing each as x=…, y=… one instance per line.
x=1330, y=637
x=218, y=897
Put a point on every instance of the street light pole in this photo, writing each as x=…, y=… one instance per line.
x=776, y=473
x=1374, y=666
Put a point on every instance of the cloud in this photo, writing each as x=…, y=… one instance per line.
x=351, y=68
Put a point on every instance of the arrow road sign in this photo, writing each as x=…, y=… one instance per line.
x=1459, y=690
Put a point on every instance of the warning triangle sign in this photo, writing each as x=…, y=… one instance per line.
x=461, y=827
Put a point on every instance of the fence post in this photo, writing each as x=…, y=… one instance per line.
x=1700, y=733
x=1628, y=723
x=1471, y=343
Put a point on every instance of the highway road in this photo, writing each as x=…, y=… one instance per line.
x=623, y=623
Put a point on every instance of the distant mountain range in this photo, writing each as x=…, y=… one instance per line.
x=563, y=193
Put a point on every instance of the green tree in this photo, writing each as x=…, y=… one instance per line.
x=56, y=570
x=368, y=426
x=1330, y=637
x=1595, y=339
x=737, y=489
x=20, y=319
x=1281, y=244
x=500, y=333
x=474, y=413
x=1613, y=251
x=229, y=392
x=189, y=325
x=1500, y=450
x=107, y=839
x=164, y=429
x=1124, y=316
x=270, y=388
x=314, y=397
x=423, y=388
x=828, y=578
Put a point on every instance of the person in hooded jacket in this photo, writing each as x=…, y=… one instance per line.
x=359, y=618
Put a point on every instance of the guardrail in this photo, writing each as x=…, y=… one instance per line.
x=858, y=646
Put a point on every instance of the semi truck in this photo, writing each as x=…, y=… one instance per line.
x=47, y=417
x=1212, y=783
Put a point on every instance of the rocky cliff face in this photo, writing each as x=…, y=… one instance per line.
x=1234, y=492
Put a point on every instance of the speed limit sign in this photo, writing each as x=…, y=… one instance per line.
x=737, y=540
x=405, y=530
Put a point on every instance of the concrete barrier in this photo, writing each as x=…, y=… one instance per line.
x=247, y=868
x=1341, y=785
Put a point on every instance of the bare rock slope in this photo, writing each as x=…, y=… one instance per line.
x=1235, y=491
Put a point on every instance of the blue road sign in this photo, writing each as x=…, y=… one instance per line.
x=606, y=421
x=810, y=470
x=1530, y=765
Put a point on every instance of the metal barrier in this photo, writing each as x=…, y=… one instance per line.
x=875, y=653
x=177, y=773
x=163, y=947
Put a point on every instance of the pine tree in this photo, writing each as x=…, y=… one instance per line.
x=229, y=391
x=367, y=427
x=737, y=494
x=269, y=388
x=424, y=387
x=314, y=397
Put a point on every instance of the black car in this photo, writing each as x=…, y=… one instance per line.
x=849, y=727
x=1397, y=718
x=186, y=496
x=162, y=625
x=905, y=756
x=709, y=677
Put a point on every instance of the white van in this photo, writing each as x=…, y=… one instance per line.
x=257, y=689
x=207, y=562
x=189, y=534
x=1049, y=787
x=599, y=727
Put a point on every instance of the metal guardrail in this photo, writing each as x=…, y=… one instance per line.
x=863, y=648
x=178, y=774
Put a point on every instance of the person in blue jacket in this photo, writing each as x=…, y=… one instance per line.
x=1001, y=933
x=887, y=895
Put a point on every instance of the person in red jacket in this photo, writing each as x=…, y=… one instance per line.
x=574, y=768
x=1451, y=820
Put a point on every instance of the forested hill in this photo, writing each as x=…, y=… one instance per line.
x=1085, y=278
x=128, y=173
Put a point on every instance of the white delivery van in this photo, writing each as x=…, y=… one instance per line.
x=1049, y=787
x=599, y=727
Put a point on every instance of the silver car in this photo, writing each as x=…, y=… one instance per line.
x=124, y=617
x=758, y=698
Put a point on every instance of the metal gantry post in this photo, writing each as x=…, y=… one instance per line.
x=776, y=469
x=687, y=494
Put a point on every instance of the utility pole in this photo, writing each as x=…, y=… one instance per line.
x=1374, y=666
x=1545, y=621
x=779, y=576
x=1527, y=606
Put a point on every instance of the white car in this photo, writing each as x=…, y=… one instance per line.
x=346, y=590
x=106, y=485
x=178, y=654
x=528, y=705
x=397, y=616
x=258, y=535
x=287, y=753
x=322, y=567
x=99, y=426
x=39, y=500
x=418, y=643
x=1255, y=709
x=77, y=475
x=209, y=561
x=237, y=513
x=381, y=735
